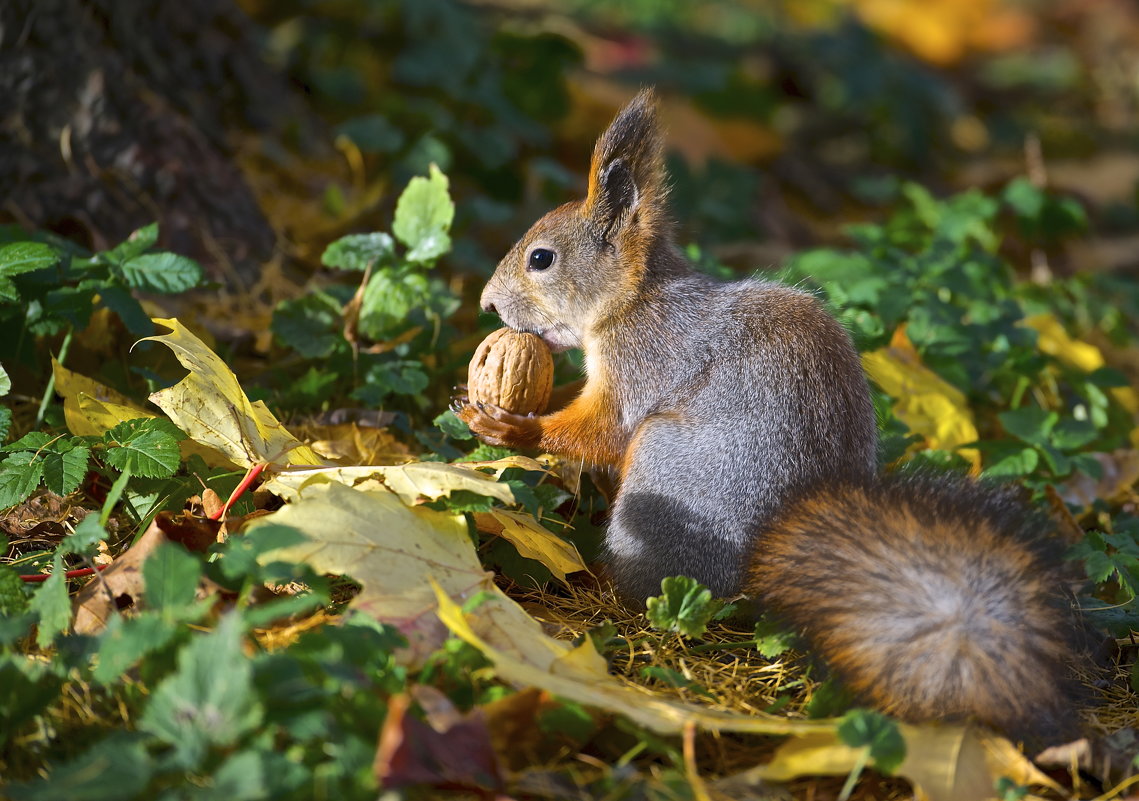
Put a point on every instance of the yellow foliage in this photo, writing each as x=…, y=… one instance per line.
x=210, y=406
x=923, y=400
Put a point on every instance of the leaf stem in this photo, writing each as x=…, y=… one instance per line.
x=855, y=773
x=50, y=390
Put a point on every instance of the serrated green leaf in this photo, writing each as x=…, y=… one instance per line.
x=24, y=257
x=880, y=734
x=8, y=291
x=127, y=640
x=772, y=639
x=64, y=470
x=5, y=421
x=51, y=605
x=145, y=447
x=115, y=768
x=209, y=701
x=20, y=474
x=31, y=441
x=357, y=251
x=685, y=606
x=162, y=272
x=171, y=576
x=423, y=216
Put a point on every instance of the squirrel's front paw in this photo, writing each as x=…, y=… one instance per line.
x=496, y=426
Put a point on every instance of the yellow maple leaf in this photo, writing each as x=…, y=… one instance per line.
x=395, y=551
x=210, y=406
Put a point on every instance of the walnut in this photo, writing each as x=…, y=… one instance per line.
x=513, y=370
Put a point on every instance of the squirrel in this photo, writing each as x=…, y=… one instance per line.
x=737, y=419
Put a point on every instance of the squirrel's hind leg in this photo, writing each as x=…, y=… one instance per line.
x=699, y=533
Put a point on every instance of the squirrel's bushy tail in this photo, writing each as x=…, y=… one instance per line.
x=932, y=597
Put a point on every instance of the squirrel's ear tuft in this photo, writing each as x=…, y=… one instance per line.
x=626, y=174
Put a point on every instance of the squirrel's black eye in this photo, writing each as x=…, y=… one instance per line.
x=540, y=259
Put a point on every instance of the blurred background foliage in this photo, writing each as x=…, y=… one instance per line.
x=787, y=119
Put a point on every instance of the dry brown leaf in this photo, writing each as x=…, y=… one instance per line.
x=120, y=586
x=457, y=754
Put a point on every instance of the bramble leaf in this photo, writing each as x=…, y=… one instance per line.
x=24, y=257
x=20, y=474
x=209, y=701
x=146, y=447
x=168, y=273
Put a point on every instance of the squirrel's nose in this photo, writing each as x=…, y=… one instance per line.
x=488, y=307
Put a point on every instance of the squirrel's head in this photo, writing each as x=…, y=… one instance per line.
x=580, y=263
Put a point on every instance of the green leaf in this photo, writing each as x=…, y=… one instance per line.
x=20, y=474
x=685, y=606
x=24, y=257
x=381, y=380
x=388, y=300
x=358, y=251
x=13, y=599
x=134, y=245
x=146, y=447
x=1029, y=423
x=64, y=466
x=129, y=310
x=5, y=382
x=162, y=272
x=1014, y=462
x=170, y=575
x=26, y=687
x=5, y=421
x=772, y=639
x=452, y=426
x=51, y=605
x=310, y=325
x=423, y=216
x=864, y=728
x=209, y=701
x=32, y=441
x=87, y=536
x=117, y=767
x=127, y=640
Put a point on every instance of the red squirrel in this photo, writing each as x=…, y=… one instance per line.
x=737, y=420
